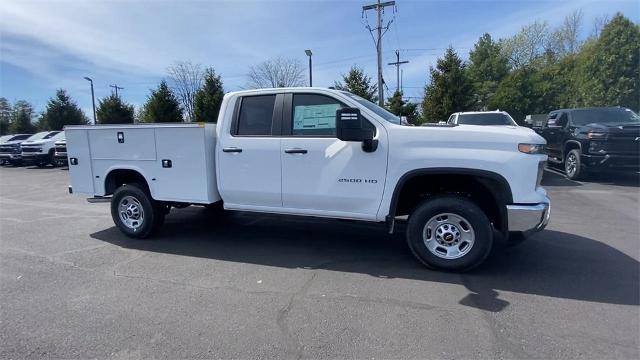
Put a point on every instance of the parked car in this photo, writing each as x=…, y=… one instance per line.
x=10, y=148
x=60, y=152
x=39, y=149
x=482, y=118
x=327, y=153
x=593, y=140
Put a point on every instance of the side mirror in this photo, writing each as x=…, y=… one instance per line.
x=350, y=126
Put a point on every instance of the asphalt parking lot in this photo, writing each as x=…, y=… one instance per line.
x=263, y=286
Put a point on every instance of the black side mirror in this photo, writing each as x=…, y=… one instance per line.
x=350, y=126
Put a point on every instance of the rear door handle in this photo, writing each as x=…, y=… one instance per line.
x=295, y=151
x=232, y=150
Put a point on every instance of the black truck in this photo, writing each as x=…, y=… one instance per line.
x=593, y=139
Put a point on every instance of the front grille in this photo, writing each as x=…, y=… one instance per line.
x=31, y=149
x=623, y=145
x=9, y=149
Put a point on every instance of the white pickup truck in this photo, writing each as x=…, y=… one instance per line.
x=327, y=153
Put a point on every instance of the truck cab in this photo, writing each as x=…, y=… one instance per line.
x=326, y=153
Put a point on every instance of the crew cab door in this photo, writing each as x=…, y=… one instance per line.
x=554, y=133
x=321, y=174
x=248, y=154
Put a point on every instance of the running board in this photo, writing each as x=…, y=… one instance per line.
x=99, y=199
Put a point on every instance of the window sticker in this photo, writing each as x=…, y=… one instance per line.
x=307, y=117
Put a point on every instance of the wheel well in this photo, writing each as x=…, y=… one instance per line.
x=119, y=177
x=490, y=193
x=570, y=146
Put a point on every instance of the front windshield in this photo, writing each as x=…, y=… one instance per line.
x=44, y=135
x=380, y=111
x=58, y=136
x=38, y=136
x=606, y=116
x=485, y=119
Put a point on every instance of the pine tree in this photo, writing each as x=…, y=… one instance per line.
x=487, y=67
x=112, y=110
x=449, y=90
x=209, y=98
x=61, y=111
x=22, y=116
x=396, y=105
x=358, y=83
x=5, y=116
x=162, y=106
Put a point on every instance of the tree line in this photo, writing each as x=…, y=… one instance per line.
x=537, y=70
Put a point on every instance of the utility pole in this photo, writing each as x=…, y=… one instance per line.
x=117, y=88
x=397, y=64
x=378, y=7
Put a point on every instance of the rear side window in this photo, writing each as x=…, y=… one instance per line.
x=314, y=115
x=256, y=115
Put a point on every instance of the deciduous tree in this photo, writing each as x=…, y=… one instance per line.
x=186, y=81
x=276, y=73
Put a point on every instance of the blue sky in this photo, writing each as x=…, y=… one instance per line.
x=46, y=45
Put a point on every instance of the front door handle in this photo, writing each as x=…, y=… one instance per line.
x=231, y=150
x=295, y=151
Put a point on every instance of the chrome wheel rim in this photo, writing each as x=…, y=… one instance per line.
x=131, y=212
x=448, y=236
x=571, y=164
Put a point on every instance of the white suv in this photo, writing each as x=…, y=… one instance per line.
x=482, y=118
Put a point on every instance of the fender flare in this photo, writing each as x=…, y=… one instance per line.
x=507, y=198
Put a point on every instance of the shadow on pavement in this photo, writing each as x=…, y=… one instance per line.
x=555, y=177
x=551, y=263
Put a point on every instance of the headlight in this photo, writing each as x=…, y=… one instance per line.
x=531, y=148
x=596, y=135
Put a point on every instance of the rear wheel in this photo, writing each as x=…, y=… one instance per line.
x=449, y=232
x=134, y=212
x=573, y=168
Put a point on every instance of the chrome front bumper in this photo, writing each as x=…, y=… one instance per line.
x=529, y=218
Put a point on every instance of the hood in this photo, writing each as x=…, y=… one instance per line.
x=36, y=142
x=623, y=129
x=472, y=136
x=14, y=142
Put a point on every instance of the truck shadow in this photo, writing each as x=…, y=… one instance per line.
x=551, y=263
x=555, y=177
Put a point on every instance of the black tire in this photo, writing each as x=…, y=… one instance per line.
x=473, y=218
x=153, y=216
x=52, y=158
x=573, y=167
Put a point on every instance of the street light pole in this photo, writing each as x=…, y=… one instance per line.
x=309, y=53
x=93, y=99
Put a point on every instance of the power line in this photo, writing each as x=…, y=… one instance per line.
x=379, y=8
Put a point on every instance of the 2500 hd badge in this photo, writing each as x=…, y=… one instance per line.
x=366, y=181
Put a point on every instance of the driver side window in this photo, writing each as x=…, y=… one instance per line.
x=563, y=120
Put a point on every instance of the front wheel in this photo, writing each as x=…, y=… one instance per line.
x=449, y=232
x=134, y=212
x=573, y=168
